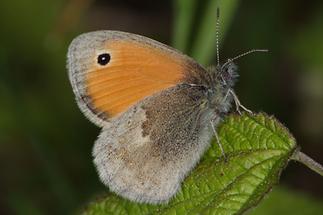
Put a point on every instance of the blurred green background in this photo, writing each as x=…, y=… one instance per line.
x=46, y=142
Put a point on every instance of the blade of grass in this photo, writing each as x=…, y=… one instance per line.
x=204, y=47
x=184, y=11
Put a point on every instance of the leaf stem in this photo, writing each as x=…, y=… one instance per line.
x=307, y=161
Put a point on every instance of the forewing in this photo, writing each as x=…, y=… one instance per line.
x=138, y=68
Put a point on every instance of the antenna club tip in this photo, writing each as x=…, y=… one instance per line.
x=259, y=50
x=218, y=12
x=263, y=50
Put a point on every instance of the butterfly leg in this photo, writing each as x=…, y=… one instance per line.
x=238, y=103
x=218, y=141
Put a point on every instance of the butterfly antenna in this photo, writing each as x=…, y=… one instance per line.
x=217, y=28
x=249, y=52
x=244, y=54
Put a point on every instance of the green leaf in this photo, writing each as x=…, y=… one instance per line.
x=257, y=147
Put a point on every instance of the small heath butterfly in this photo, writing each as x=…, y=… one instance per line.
x=157, y=108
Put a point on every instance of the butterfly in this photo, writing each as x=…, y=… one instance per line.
x=158, y=110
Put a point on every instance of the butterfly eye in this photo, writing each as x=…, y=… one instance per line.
x=104, y=59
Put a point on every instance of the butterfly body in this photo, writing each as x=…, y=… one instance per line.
x=160, y=123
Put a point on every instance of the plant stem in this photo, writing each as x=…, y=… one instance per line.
x=307, y=161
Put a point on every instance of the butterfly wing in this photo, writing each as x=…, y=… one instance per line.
x=137, y=67
x=154, y=127
x=145, y=153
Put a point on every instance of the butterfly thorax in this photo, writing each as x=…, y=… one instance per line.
x=221, y=79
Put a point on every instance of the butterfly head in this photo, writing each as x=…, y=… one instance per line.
x=222, y=79
x=228, y=74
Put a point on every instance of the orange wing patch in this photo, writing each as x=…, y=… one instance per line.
x=134, y=72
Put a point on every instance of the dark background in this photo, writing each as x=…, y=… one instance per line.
x=46, y=142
